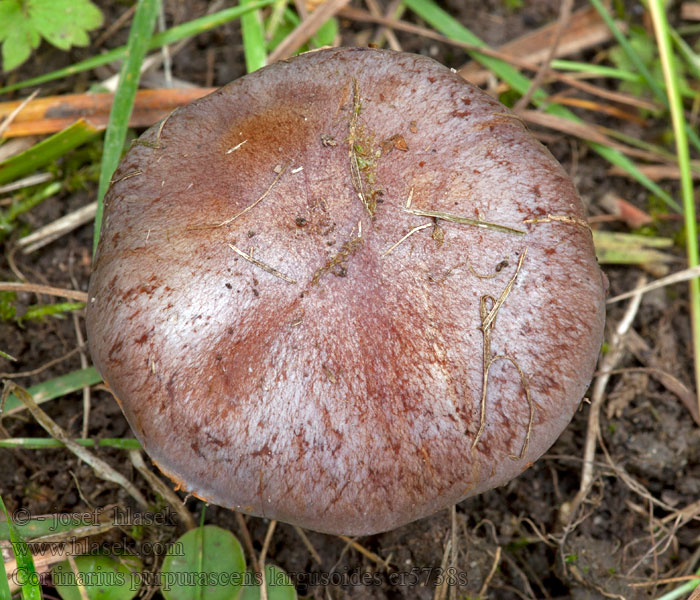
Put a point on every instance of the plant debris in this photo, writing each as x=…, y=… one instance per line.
x=559, y=219
x=405, y=237
x=262, y=265
x=488, y=318
x=363, y=156
x=337, y=263
x=463, y=220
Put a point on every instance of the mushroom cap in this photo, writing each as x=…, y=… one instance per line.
x=290, y=329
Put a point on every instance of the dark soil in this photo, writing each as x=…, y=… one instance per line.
x=512, y=542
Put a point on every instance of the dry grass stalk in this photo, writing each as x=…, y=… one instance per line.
x=35, y=288
x=488, y=317
x=405, y=237
x=608, y=363
x=265, y=267
x=306, y=29
x=102, y=469
x=437, y=214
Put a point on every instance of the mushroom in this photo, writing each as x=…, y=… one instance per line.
x=345, y=291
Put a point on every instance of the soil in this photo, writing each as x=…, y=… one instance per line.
x=517, y=541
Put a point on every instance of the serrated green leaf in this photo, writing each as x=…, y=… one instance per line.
x=63, y=23
x=20, y=38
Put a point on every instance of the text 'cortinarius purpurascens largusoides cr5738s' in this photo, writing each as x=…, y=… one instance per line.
x=345, y=291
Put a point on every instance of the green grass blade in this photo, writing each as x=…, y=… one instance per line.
x=663, y=40
x=55, y=388
x=253, y=38
x=172, y=35
x=39, y=443
x=46, y=151
x=447, y=25
x=649, y=79
x=692, y=59
x=139, y=37
x=683, y=590
x=598, y=70
x=4, y=585
x=8, y=217
x=31, y=527
x=7, y=356
x=26, y=573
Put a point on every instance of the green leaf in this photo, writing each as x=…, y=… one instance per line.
x=20, y=38
x=34, y=527
x=207, y=562
x=63, y=23
x=175, y=34
x=277, y=583
x=326, y=34
x=101, y=576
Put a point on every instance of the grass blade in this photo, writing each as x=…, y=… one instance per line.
x=46, y=151
x=54, y=388
x=26, y=573
x=649, y=79
x=663, y=40
x=447, y=25
x=39, y=443
x=253, y=38
x=139, y=37
x=172, y=35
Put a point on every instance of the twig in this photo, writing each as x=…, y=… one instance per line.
x=102, y=469
x=262, y=265
x=36, y=288
x=163, y=490
x=492, y=572
x=441, y=588
x=307, y=542
x=374, y=9
x=47, y=234
x=247, y=541
x=78, y=579
x=684, y=275
x=559, y=219
x=25, y=182
x=563, y=22
x=608, y=363
x=306, y=29
x=362, y=550
x=43, y=367
x=11, y=117
x=263, y=554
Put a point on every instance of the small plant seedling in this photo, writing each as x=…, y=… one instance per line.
x=63, y=23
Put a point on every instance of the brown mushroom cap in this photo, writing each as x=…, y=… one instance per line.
x=279, y=352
